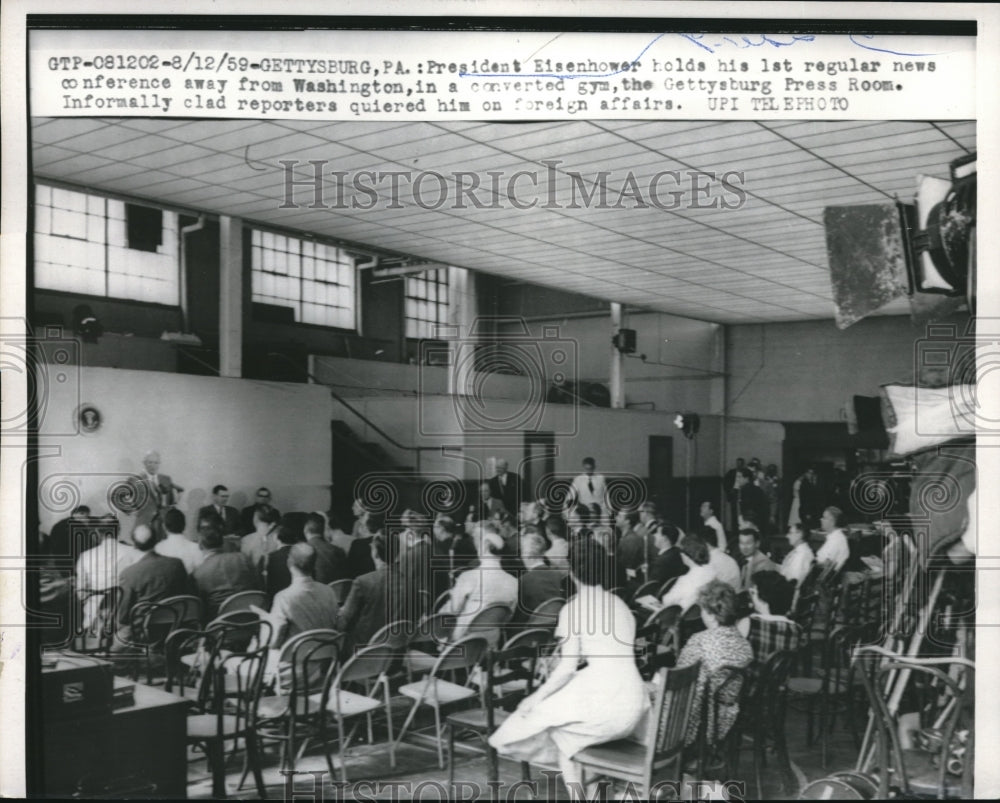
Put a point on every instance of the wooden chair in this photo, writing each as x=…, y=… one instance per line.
x=150, y=623
x=659, y=754
x=291, y=715
x=658, y=641
x=341, y=588
x=99, y=635
x=189, y=610
x=939, y=692
x=547, y=613
x=435, y=691
x=368, y=665
x=242, y=600
x=666, y=587
x=229, y=711
x=648, y=588
x=514, y=665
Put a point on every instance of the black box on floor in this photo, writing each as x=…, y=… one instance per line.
x=75, y=686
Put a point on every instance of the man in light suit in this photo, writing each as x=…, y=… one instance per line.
x=228, y=515
x=157, y=494
x=506, y=486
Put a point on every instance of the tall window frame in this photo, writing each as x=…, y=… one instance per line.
x=425, y=305
x=316, y=279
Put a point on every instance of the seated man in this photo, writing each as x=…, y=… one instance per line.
x=487, y=584
x=366, y=606
x=835, y=549
x=151, y=578
x=278, y=576
x=305, y=604
x=98, y=569
x=799, y=561
x=331, y=561
x=260, y=543
x=668, y=562
x=221, y=574
x=539, y=582
x=631, y=544
x=754, y=560
x=176, y=544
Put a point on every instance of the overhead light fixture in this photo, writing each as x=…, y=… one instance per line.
x=688, y=423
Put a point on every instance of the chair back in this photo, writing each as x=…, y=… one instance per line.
x=341, y=588
x=151, y=623
x=191, y=673
x=516, y=662
x=668, y=722
x=666, y=587
x=547, y=613
x=661, y=639
x=489, y=622
x=434, y=629
x=649, y=588
x=366, y=663
x=309, y=656
x=442, y=599
x=395, y=634
x=241, y=695
x=938, y=691
x=462, y=654
x=764, y=698
x=242, y=600
x=691, y=623
x=235, y=631
x=188, y=607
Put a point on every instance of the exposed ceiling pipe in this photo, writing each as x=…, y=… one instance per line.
x=185, y=231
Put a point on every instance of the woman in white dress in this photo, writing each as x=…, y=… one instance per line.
x=578, y=707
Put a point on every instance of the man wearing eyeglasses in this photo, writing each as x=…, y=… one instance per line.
x=262, y=501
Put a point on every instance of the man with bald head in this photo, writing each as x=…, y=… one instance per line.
x=151, y=578
x=305, y=604
x=506, y=486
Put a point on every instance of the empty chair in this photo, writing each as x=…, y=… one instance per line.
x=433, y=690
x=368, y=666
x=149, y=624
x=657, y=758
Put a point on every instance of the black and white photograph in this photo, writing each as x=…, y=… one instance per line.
x=510, y=413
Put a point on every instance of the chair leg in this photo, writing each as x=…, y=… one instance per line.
x=408, y=720
x=215, y=753
x=451, y=756
x=525, y=771
x=438, y=734
x=253, y=755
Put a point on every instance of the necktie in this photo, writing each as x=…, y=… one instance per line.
x=590, y=485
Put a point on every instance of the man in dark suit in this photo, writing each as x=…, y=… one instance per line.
x=158, y=492
x=331, y=561
x=412, y=570
x=506, y=486
x=278, y=577
x=668, y=562
x=221, y=574
x=152, y=578
x=62, y=536
x=228, y=515
x=539, y=581
x=753, y=504
x=367, y=604
x=262, y=500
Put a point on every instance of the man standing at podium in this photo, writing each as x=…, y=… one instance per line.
x=159, y=493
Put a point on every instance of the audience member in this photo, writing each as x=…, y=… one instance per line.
x=539, y=582
x=631, y=544
x=221, y=574
x=589, y=488
x=729, y=486
x=305, y=604
x=359, y=556
x=453, y=550
x=484, y=585
x=707, y=512
x=800, y=559
x=98, y=569
x=578, y=518
x=277, y=576
x=228, y=515
x=331, y=561
x=725, y=567
x=335, y=533
x=719, y=645
x=176, y=544
x=365, y=608
x=485, y=507
x=694, y=553
x=151, y=578
x=667, y=562
x=70, y=532
x=753, y=504
x=768, y=628
x=262, y=501
x=558, y=552
x=835, y=549
x=411, y=586
x=753, y=559
x=260, y=543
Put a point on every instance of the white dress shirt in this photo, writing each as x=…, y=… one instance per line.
x=589, y=489
x=178, y=545
x=835, y=549
x=720, y=532
x=798, y=562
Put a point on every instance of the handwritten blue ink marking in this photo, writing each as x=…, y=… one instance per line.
x=695, y=39
x=882, y=49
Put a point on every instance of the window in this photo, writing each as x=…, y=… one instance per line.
x=426, y=303
x=105, y=247
x=314, y=279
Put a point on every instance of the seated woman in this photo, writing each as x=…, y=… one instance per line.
x=596, y=666
x=768, y=628
x=719, y=645
x=484, y=585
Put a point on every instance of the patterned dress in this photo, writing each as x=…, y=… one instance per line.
x=716, y=648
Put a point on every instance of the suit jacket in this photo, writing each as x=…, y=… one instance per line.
x=411, y=575
x=359, y=558
x=230, y=518
x=366, y=607
x=666, y=565
x=221, y=575
x=510, y=494
x=156, y=499
x=331, y=561
x=278, y=575
x=537, y=585
x=153, y=577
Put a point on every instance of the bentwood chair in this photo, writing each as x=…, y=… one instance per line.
x=341, y=588
x=657, y=759
x=547, y=613
x=242, y=600
x=150, y=623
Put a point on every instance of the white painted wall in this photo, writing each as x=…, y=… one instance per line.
x=208, y=430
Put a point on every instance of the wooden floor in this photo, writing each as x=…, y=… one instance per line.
x=418, y=777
